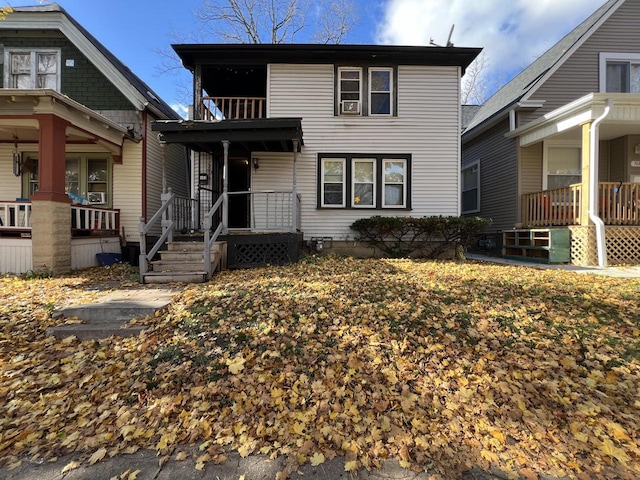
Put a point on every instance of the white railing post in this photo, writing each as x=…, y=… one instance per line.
x=167, y=217
x=142, y=259
x=294, y=196
x=225, y=187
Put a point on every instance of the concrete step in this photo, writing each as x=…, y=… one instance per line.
x=110, y=314
x=176, y=266
x=193, y=246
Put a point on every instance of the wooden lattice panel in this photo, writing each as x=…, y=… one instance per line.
x=263, y=254
x=583, y=246
x=623, y=245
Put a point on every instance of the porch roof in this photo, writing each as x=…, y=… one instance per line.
x=265, y=134
x=18, y=110
x=564, y=122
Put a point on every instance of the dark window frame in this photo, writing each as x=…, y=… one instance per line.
x=364, y=89
x=379, y=180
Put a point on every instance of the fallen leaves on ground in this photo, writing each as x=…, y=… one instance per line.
x=440, y=365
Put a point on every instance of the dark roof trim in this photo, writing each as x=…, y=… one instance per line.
x=201, y=135
x=263, y=54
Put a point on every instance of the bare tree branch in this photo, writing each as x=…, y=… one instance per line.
x=277, y=21
x=474, y=82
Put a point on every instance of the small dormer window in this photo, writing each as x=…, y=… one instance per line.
x=30, y=69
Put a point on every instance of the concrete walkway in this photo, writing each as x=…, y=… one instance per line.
x=253, y=467
x=619, y=272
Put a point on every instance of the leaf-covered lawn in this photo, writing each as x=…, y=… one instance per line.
x=441, y=365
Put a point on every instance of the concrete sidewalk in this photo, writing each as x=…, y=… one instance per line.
x=614, y=271
x=253, y=467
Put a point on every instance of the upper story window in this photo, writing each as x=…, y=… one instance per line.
x=29, y=69
x=620, y=73
x=366, y=91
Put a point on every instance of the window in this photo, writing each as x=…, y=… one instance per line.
x=395, y=180
x=32, y=69
x=350, y=90
x=619, y=73
x=333, y=175
x=366, y=91
x=563, y=167
x=471, y=188
x=364, y=181
x=86, y=177
x=380, y=84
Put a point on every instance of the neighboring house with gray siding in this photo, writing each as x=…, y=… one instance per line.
x=559, y=145
x=315, y=137
x=80, y=165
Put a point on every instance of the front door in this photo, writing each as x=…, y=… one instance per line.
x=239, y=181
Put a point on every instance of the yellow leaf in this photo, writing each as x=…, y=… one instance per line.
x=200, y=466
x=236, y=364
x=489, y=456
x=498, y=435
x=351, y=466
x=133, y=475
x=610, y=449
x=404, y=464
x=97, y=456
x=70, y=466
x=317, y=459
x=181, y=456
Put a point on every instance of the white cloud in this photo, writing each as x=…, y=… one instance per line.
x=181, y=109
x=513, y=33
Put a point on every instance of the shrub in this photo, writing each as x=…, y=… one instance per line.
x=428, y=237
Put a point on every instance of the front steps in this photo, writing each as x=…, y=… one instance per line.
x=183, y=262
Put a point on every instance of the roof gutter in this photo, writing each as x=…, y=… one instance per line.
x=593, y=185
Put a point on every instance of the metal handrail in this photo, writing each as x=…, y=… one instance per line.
x=164, y=216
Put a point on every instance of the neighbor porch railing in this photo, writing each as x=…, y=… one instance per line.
x=269, y=210
x=233, y=108
x=16, y=216
x=618, y=204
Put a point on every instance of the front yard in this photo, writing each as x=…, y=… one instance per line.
x=442, y=365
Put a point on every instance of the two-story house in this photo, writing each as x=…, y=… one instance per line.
x=556, y=151
x=79, y=164
x=306, y=139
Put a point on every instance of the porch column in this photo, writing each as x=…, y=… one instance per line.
x=225, y=187
x=294, y=200
x=51, y=214
x=586, y=177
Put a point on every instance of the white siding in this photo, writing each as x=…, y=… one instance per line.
x=15, y=255
x=127, y=189
x=427, y=127
x=10, y=185
x=84, y=250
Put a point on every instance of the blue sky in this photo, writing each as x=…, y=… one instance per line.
x=512, y=32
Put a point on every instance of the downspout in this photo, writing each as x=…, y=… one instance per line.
x=593, y=186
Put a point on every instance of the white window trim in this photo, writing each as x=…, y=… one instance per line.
x=349, y=69
x=617, y=57
x=545, y=157
x=344, y=183
x=381, y=69
x=373, y=162
x=404, y=183
x=32, y=51
x=462, y=190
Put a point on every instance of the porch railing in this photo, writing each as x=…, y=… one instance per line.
x=269, y=210
x=16, y=216
x=185, y=214
x=94, y=219
x=163, y=218
x=618, y=204
x=233, y=108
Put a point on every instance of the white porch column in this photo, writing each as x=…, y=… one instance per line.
x=225, y=187
x=294, y=199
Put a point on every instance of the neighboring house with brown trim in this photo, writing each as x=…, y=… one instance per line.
x=559, y=145
x=79, y=164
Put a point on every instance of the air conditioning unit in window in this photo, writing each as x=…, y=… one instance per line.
x=96, y=198
x=350, y=107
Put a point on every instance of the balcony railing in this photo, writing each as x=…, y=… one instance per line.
x=619, y=204
x=233, y=108
x=16, y=217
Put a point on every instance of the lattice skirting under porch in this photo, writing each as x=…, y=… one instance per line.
x=623, y=245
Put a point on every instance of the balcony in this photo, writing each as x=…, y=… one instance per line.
x=619, y=204
x=233, y=108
